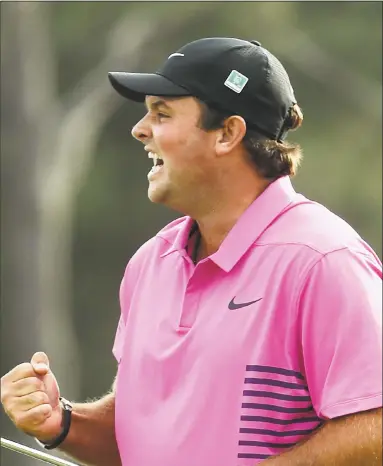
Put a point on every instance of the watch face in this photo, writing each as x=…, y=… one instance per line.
x=66, y=404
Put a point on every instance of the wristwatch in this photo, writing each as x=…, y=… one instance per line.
x=65, y=424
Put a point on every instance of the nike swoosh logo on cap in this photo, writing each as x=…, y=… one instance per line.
x=176, y=55
x=232, y=305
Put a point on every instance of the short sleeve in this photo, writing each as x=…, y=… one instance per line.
x=119, y=340
x=120, y=332
x=133, y=270
x=340, y=322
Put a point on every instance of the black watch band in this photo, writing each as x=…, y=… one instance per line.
x=66, y=421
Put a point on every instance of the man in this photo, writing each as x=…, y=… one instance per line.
x=250, y=329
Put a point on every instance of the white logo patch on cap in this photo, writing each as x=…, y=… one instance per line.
x=236, y=81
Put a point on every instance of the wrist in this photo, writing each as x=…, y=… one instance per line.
x=66, y=411
x=49, y=437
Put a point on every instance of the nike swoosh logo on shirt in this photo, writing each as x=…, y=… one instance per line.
x=232, y=305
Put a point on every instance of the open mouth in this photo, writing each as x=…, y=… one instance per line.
x=157, y=163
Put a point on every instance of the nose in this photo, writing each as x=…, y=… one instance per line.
x=141, y=130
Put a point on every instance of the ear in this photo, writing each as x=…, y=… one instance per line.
x=230, y=135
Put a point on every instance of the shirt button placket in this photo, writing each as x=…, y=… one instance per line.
x=192, y=298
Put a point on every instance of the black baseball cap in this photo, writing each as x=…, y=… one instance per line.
x=236, y=76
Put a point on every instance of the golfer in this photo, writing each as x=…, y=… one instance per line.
x=250, y=328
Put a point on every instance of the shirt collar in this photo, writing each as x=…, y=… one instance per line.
x=254, y=221
x=177, y=236
x=249, y=227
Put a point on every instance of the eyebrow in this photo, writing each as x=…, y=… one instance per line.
x=156, y=104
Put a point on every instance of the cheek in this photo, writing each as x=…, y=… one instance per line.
x=168, y=139
x=184, y=146
x=177, y=147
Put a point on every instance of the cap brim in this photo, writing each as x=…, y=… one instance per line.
x=135, y=86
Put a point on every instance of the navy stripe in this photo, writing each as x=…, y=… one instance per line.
x=253, y=455
x=254, y=443
x=273, y=420
x=274, y=370
x=278, y=409
x=275, y=383
x=278, y=396
x=248, y=430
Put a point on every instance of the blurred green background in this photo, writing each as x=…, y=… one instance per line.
x=74, y=202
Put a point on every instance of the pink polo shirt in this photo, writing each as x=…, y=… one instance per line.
x=245, y=354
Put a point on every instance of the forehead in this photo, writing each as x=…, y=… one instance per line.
x=175, y=103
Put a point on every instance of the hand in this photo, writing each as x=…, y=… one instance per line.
x=30, y=397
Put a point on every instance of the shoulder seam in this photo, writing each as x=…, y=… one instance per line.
x=309, y=246
x=305, y=278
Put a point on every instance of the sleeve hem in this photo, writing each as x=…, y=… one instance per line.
x=351, y=406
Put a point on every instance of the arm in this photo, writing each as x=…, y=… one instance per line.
x=91, y=437
x=30, y=397
x=339, y=321
x=353, y=440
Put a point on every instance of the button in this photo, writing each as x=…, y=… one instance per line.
x=255, y=42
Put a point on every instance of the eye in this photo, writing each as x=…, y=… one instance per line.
x=159, y=116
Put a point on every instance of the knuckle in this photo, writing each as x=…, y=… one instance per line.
x=4, y=395
x=20, y=368
x=22, y=419
x=25, y=418
x=37, y=384
x=40, y=397
x=20, y=372
x=29, y=385
x=5, y=383
x=12, y=411
x=35, y=416
x=23, y=368
x=4, y=379
x=9, y=405
x=35, y=399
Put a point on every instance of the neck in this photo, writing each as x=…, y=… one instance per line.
x=215, y=224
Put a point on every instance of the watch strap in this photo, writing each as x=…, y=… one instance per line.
x=66, y=422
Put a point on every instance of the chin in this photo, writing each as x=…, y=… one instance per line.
x=163, y=197
x=157, y=195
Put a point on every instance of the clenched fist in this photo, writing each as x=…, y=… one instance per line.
x=30, y=397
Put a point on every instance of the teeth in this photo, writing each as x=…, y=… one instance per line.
x=154, y=156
